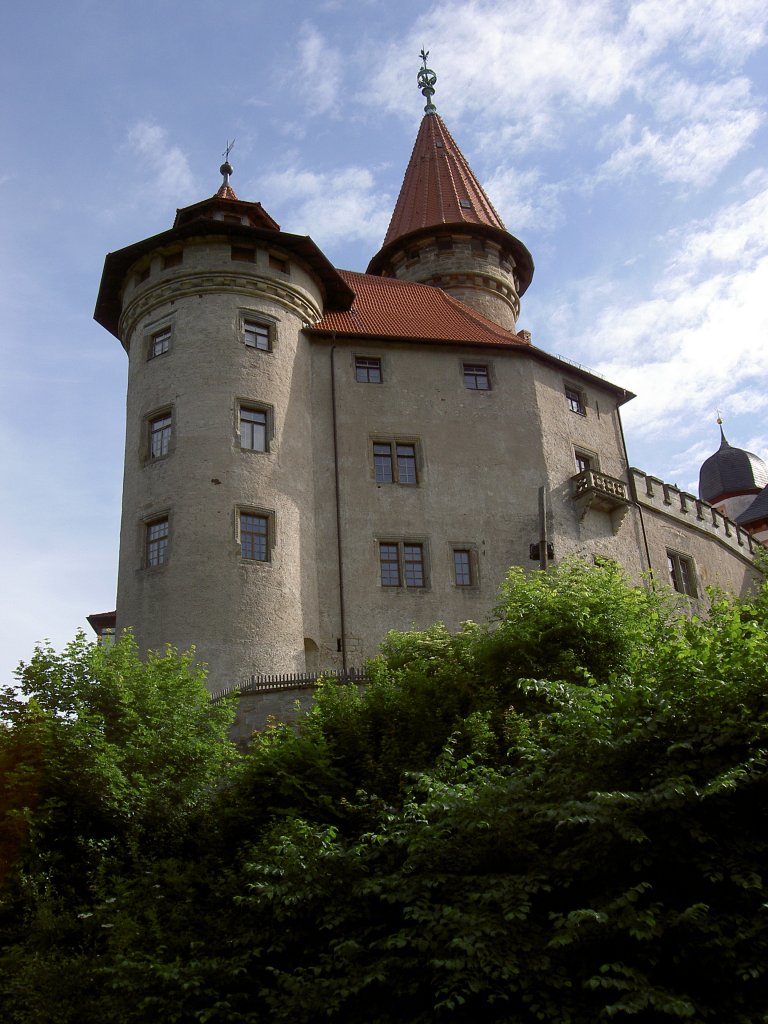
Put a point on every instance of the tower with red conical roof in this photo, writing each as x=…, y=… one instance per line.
x=444, y=230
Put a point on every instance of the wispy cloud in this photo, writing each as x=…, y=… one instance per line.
x=165, y=164
x=340, y=204
x=319, y=71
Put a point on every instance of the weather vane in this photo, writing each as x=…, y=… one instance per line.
x=226, y=167
x=426, y=79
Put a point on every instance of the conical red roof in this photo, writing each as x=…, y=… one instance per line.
x=439, y=186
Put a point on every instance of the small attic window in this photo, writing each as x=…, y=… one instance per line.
x=143, y=274
x=465, y=204
x=438, y=144
x=173, y=259
x=444, y=244
x=278, y=263
x=243, y=254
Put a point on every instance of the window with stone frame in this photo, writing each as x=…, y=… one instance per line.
x=160, y=429
x=463, y=575
x=257, y=334
x=576, y=400
x=159, y=342
x=585, y=460
x=367, y=370
x=394, y=462
x=253, y=428
x=255, y=538
x=682, y=574
x=476, y=377
x=157, y=533
x=402, y=563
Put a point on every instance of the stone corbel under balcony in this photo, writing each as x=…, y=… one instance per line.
x=593, y=490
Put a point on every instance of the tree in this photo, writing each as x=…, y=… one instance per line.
x=556, y=817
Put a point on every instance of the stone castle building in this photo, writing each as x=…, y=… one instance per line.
x=315, y=456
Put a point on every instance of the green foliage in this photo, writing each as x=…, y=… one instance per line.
x=555, y=818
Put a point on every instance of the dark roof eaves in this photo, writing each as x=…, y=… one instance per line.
x=337, y=293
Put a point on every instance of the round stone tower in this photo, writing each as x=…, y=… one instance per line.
x=217, y=537
x=731, y=478
x=444, y=230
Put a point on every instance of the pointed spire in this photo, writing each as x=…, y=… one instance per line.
x=723, y=442
x=439, y=186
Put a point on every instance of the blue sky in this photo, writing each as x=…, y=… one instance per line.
x=623, y=142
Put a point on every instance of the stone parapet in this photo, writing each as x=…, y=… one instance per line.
x=667, y=499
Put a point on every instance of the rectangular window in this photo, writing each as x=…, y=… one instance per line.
x=173, y=259
x=367, y=370
x=681, y=573
x=243, y=254
x=476, y=377
x=254, y=537
x=413, y=558
x=160, y=342
x=389, y=559
x=462, y=567
x=157, y=542
x=160, y=435
x=256, y=335
x=584, y=461
x=278, y=263
x=394, y=463
x=402, y=563
x=575, y=400
x=253, y=429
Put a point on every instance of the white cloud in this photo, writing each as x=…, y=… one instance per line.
x=698, y=342
x=523, y=200
x=522, y=75
x=319, y=71
x=166, y=163
x=342, y=204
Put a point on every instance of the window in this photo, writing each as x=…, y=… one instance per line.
x=476, y=377
x=253, y=429
x=465, y=204
x=173, y=259
x=254, y=536
x=157, y=542
x=681, y=573
x=462, y=567
x=394, y=462
x=159, y=342
x=144, y=274
x=575, y=400
x=243, y=254
x=256, y=335
x=367, y=370
x=278, y=263
x=400, y=562
x=160, y=435
x=584, y=461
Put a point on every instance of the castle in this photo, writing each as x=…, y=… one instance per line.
x=315, y=456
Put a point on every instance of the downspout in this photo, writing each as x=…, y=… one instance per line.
x=339, y=553
x=633, y=493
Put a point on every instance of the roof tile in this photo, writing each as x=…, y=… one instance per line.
x=388, y=308
x=439, y=186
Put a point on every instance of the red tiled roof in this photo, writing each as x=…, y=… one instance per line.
x=437, y=181
x=389, y=308
x=225, y=192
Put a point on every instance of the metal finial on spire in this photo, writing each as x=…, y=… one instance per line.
x=722, y=432
x=426, y=79
x=226, y=167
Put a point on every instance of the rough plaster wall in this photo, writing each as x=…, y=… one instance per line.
x=480, y=467
x=244, y=616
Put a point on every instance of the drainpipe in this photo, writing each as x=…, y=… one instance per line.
x=339, y=553
x=543, y=557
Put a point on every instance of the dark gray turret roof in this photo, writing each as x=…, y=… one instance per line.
x=757, y=510
x=731, y=471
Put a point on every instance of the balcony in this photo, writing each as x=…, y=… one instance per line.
x=593, y=490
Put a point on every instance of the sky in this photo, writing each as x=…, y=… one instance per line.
x=625, y=143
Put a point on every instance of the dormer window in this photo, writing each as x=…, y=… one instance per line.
x=465, y=204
